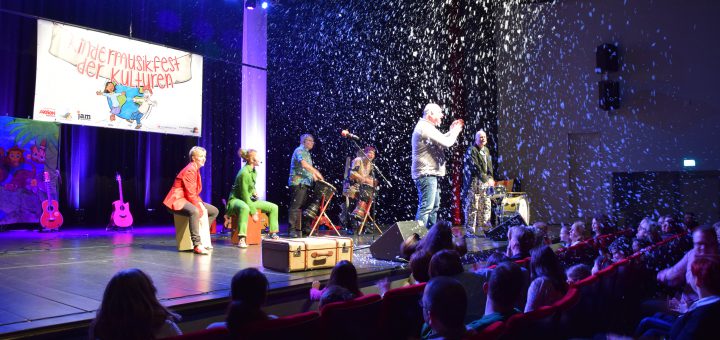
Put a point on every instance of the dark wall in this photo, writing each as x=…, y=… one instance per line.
x=370, y=67
x=147, y=162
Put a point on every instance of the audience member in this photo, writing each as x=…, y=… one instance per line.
x=248, y=291
x=496, y=258
x=335, y=294
x=521, y=240
x=578, y=233
x=577, y=273
x=447, y=263
x=130, y=310
x=648, y=229
x=503, y=290
x=565, y=236
x=620, y=249
x=541, y=234
x=639, y=244
x=670, y=228
x=549, y=282
x=344, y=275
x=601, y=262
x=704, y=243
x=439, y=237
x=601, y=225
x=409, y=246
x=699, y=322
x=690, y=221
x=444, y=303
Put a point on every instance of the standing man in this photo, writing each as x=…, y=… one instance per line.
x=428, y=160
x=302, y=176
x=477, y=177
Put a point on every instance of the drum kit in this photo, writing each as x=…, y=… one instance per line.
x=508, y=203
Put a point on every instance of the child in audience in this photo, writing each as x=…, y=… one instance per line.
x=601, y=262
x=344, y=275
x=620, y=249
x=335, y=294
x=503, y=290
x=639, y=244
x=447, y=263
x=248, y=291
x=549, y=282
x=577, y=273
x=130, y=310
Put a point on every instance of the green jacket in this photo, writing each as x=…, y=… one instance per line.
x=244, y=186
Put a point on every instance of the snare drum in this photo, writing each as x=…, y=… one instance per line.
x=517, y=204
x=321, y=191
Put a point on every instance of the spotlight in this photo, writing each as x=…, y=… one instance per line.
x=250, y=4
x=264, y=5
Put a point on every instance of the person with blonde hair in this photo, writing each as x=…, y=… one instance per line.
x=244, y=202
x=184, y=197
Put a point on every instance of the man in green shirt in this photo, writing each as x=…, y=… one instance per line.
x=506, y=284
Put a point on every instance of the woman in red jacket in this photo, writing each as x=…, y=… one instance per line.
x=184, y=199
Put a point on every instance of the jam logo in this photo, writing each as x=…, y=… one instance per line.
x=81, y=116
x=47, y=112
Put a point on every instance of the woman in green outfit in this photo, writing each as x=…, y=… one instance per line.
x=244, y=200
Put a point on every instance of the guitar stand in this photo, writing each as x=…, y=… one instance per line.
x=112, y=227
x=367, y=216
x=323, y=217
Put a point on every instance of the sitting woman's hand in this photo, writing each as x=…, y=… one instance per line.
x=316, y=284
x=255, y=217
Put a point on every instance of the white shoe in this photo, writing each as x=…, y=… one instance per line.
x=242, y=243
x=273, y=236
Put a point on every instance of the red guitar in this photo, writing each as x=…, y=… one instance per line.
x=121, y=216
x=51, y=218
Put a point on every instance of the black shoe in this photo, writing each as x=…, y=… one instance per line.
x=294, y=234
x=306, y=231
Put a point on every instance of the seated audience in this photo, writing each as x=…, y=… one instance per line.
x=444, y=303
x=496, y=258
x=620, y=249
x=697, y=321
x=670, y=228
x=344, y=275
x=439, y=237
x=409, y=246
x=521, y=240
x=130, y=310
x=578, y=233
x=447, y=263
x=649, y=230
x=700, y=321
x=577, y=273
x=335, y=294
x=704, y=243
x=601, y=262
x=503, y=290
x=639, y=244
x=690, y=221
x=248, y=291
x=601, y=225
x=565, y=236
x=541, y=234
x=549, y=282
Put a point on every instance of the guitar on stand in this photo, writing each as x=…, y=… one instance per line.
x=121, y=216
x=51, y=218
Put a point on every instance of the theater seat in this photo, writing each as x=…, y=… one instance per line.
x=492, y=332
x=297, y=326
x=354, y=319
x=205, y=334
x=401, y=315
x=530, y=325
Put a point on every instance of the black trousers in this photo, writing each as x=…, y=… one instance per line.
x=298, y=198
x=193, y=213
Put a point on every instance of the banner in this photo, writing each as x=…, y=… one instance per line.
x=91, y=78
x=27, y=149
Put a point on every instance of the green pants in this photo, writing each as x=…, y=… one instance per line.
x=242, y=211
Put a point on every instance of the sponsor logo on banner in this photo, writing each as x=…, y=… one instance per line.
x=83, y=116
x=47, y=112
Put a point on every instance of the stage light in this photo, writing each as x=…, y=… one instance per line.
x=688, y=163
x=264, y=5
x=250, y=4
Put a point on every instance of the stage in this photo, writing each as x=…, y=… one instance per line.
x=54, y=281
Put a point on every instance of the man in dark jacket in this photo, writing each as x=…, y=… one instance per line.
x=477, y=177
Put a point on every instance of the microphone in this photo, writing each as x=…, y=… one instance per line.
x=347, y=134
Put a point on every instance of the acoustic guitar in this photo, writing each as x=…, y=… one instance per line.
x=51, y=217
x=121, y=216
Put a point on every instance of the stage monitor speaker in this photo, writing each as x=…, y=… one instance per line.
x=387, y=246
x=609, y=95
x=499, y=233
x=606, y=58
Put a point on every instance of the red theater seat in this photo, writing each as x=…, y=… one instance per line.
x=492, y=332
x=354, y=319
x=401, y=315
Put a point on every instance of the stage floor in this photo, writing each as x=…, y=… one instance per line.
x=55, y=278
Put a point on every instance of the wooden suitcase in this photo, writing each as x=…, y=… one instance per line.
x=344, y=246
x=298, y=254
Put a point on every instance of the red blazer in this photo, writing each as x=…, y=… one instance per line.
x=186, y=188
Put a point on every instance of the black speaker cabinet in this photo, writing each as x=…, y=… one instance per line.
x=606, y=58
x=387, y=246
x=499, y=233
x=609, y=95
